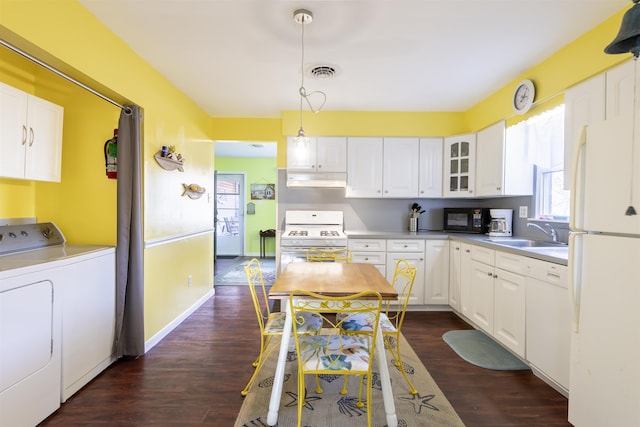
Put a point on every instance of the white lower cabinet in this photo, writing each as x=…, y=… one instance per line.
x=548, y=322
x=436, y=277
x=370, y=251
x=412, y=251
x=455, y=258
x=492, y=294
x=509, y=301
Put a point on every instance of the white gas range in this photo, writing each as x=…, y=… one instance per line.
x=310, y=229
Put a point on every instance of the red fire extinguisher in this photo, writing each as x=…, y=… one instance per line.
x=111, y=156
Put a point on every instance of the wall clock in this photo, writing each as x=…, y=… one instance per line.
x=523, y=96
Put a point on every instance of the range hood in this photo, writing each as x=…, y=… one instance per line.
x=316, y=179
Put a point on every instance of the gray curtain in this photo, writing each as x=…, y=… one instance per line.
x=129, y=268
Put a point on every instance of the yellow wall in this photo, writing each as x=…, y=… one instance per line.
x=568, y=66
x=65, y=32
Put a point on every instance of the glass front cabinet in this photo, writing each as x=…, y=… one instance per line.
x=459, y=165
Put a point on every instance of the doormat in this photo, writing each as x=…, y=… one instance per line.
x=429, y=407
x=235, y=274
x=477, y=348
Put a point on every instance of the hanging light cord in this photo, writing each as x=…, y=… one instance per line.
x=303, y=92
x=630, y=209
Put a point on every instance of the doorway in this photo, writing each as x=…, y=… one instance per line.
x=229, y=214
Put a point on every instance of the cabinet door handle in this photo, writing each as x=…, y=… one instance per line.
x=495, y=276
x=457, y=249
x=319, y=166
x=489, y=274
x=31, y=135
x=24, y=134
x=468, y=250
x=555, y=275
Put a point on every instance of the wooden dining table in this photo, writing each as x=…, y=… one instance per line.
x=336, y=280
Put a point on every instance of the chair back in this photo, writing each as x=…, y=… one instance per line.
x=333, y=342
x=258, y=291
x=329, y=255
x=403, y=277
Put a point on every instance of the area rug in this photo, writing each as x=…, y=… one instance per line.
x=477, y=348
x=331, y=409
x=235, y=274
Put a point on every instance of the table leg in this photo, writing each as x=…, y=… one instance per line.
x=387, y=392
x=278, y=380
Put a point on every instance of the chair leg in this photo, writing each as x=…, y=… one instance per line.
x=318, y=388
x=263, y=347
x=344, y=385
x=398, y=358
x=262, y=357
x=360, y=404
x=301, y=395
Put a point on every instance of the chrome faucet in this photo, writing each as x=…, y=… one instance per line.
x=551, y=232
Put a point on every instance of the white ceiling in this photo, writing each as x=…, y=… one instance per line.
x=245, y=149
x=242, y=58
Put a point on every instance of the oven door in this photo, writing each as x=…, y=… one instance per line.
x=288, y=255
x=297, y=254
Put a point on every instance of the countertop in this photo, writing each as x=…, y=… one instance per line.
x=557, y=255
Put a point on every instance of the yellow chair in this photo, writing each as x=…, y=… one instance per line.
x=271, y=323
x=334, y=352
x=392, y=317
x=329, y=255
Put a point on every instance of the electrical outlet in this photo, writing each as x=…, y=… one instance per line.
x=189, y=280
x=524, y=211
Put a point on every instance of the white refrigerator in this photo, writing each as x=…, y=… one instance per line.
x=604, y=264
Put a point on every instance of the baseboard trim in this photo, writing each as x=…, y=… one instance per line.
x=151, y=342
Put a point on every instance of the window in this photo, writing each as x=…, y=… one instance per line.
x=544, y=135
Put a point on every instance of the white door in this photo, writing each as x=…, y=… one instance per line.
x=605, y=374
x=430, y=175
x=230, y=192
x=400, y=167
x=364, y=167
x=608, y=180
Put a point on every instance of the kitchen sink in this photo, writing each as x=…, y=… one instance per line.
x=555, y=251
x=526, y=243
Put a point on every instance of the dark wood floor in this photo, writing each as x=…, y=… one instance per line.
x=194, y=376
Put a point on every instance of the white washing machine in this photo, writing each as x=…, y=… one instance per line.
x=33, y=269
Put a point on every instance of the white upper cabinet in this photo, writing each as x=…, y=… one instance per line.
x=320, y=154
x=364, y=167
x=459, y=165
x=30, y=136
x=502, y=165
x=382, y=167
x=619, y=90
x=430, y=175
x=400, y=167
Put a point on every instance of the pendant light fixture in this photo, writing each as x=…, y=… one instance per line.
x=304, y=17
x=628, y=41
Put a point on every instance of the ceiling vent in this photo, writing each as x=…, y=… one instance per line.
x=322, y=72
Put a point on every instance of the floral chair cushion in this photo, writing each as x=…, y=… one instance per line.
x=320, y=353
x=275, y=323
x=361, y=322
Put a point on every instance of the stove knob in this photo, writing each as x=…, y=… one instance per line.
x=46, y=232
x=12, y=235
x=24, y=233
x=1, y=237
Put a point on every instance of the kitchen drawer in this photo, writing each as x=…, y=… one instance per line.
x=549, y=272
x=510, y=262
x=408, y=245
x=367, y=245
x=483, y=255
x=369, y=257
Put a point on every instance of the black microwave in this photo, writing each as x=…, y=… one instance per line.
x=466, y=220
